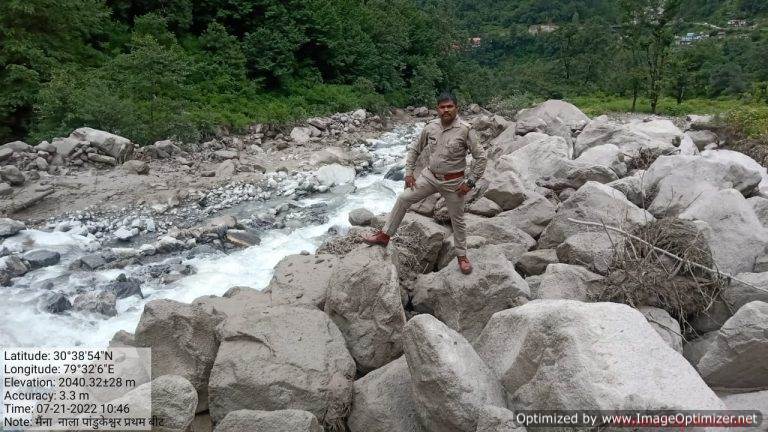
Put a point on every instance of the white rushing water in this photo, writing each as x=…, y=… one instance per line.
x=24, y=323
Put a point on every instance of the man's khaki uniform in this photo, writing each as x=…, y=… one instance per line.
x=447, y=149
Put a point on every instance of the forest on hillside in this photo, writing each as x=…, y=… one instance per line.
x=154, y=69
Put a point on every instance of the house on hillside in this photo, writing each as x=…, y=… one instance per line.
x=690, y=38
x=537, y=29
x=738, y=23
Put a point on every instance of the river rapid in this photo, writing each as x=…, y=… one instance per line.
x=25, y=323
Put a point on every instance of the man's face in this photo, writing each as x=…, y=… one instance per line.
x=447, y=111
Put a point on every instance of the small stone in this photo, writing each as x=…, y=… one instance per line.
x=109, y=160
x=5, y=153
x=360, y=217
x=12, y=175
x=243, y=238
x=9, y=227
x=56, y=303
x=136, y=167
x=147, y=250
x=125, y=234
x=13, y=266
x=101, y=302
x=92, y=261
x=41, y=164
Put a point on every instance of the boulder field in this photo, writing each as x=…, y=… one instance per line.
x=396, y=339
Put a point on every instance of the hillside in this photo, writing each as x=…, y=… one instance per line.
x=152, y=70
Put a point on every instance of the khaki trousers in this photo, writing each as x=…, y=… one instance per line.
x=427, y=185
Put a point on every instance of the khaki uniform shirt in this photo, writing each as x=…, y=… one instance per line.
x=447, y=149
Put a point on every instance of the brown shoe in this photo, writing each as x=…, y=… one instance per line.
x=464, y=265
x=377, y=238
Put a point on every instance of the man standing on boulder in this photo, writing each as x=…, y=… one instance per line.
x=447, y=141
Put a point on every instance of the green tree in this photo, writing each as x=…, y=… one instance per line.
x=649, y=26
x=36, y=37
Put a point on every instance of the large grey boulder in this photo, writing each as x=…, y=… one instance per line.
x=508, y=142
x=484, y=207
x=704, y=138
x=497, y=230
x=676, y=182
x=593, y=202
x=505, y=189
x=566, y=281
x=631, y=138
x=607, y=155
x=422, y=240
x=113, y=145
x=302, y=279
x=535, y=262
x=466, y=302
x=501, y=143
x=236, y=303
x=282, y=357
x=383, y=401
x=736, y=237
x=748, y=288
x=42, y=258
x=532, y=215
x=593, y=250
x=9, y=227
x=558, y=355
x=288, y=420
x=173, y=400
x=574, y=174
x=662, y=130
x=16, y=146
x=632, y=188
x=183, y=342
x=450, y=383
x=538, y=159
x=666, y=326
x=551, y=111
x=364, y=302
x=736, y=357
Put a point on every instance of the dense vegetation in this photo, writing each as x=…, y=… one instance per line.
x=152, y=69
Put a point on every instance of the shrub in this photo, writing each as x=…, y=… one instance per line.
x=751, y=122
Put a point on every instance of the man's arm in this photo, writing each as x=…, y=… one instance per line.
x=478, y=154
x=414, y=150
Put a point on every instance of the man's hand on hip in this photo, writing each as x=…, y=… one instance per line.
x=463, y=189
x=410, y=182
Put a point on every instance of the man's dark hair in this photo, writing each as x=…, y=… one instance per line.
x=447, y=96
